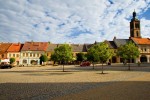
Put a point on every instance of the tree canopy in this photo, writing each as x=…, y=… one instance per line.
x=81, y=56
x=63, y=54
x=43, y=58
x=99, y=53
x=12, y=60
x=128, y=51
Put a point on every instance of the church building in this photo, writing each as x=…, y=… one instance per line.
x=135, y=36
x=142, y=43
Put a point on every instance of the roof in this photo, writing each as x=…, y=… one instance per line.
x=120, y=42
x=35, y=46
x=143, y=41
x=78, y=48
x=88, y=46
x=111, y=44
x=4, y=47
x=15, y=47
x=51, y=47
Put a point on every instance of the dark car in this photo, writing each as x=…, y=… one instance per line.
x=85, y=63
x=3, y=66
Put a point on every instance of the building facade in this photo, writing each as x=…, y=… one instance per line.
x=31, y=52
x=3, y=52
x=14, y=52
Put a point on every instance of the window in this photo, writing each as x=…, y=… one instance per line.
x=24, y=61
x=9, y=55
x=145, y=49
x=136, y=25
x=34, y=55
x=13, y=55
x=17, y=55
x=26, y=54
x=2, y=55
x=37, y=55
x=137, y=33
x=131, y=25
x=23, y=54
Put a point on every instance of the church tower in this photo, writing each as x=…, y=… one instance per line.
x=135, y=27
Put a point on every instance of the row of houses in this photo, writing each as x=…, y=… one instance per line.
x=30, y=52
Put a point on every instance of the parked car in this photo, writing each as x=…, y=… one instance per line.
x=3, y=66
x=85, y=63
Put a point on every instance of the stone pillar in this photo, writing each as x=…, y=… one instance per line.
x=118, y=59
x=147, y=58
x=137, y=59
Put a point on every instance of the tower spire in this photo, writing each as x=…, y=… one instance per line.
x=134, y=14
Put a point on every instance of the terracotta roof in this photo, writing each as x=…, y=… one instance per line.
x=35, y=46
x=141, y=40
x=4, y=47
x=15, y=47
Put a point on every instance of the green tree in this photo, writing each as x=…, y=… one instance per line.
x=43, y=58
x=12, y=60
x=93, y=55
x=81, y=56
x=128, y=51
x=105, y=53
x=63, y=54
x=99, y=53
x=54, y=57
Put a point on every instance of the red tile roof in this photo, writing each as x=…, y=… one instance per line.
x=141, y=40
x=4, y=47
x=35, y=46
x=15, y=47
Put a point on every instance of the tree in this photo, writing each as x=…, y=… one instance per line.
x=63, y=54
x=99, y=53
x=92, y=54
x=128, y=51
x=54, y=57
x=12, y=60
x=81, y=56
x=105, y=53
x=43, y=58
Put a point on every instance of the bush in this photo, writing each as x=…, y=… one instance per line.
x=43, y=58
x=12, y=60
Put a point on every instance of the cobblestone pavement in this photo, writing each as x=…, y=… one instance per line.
x=49, y=82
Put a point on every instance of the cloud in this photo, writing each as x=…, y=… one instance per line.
x=60, y=21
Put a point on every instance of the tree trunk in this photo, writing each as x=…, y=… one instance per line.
x=93, y=65
x=102, y=69
x=63, y=67
x=129, y=64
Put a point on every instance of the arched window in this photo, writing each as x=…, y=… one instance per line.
x=24, y=61
x=136, y=25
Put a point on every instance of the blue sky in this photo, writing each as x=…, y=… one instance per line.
x=70, y=21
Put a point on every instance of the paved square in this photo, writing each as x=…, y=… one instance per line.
x=49, y=82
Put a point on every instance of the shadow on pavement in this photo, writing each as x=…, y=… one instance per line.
x=126, y=90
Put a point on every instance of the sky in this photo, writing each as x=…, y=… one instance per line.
x=70, y=21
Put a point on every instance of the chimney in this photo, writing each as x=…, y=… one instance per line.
x=114, y=38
